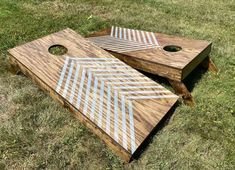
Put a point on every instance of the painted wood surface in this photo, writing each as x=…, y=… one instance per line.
x=119, y=104
x=145, y=51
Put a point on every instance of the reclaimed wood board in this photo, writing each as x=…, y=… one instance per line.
x=115, y=101
x=168, y=56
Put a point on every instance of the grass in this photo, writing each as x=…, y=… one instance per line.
x=37, y=133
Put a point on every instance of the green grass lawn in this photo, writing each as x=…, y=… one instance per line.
x=37, y=133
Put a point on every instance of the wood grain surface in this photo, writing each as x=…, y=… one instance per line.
x=116, y=102
x=145, y=51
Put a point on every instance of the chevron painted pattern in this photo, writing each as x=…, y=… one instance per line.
x=125, y=40
x=104, y=89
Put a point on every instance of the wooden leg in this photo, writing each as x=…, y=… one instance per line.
x=209, y=64
x=182, y=90
x=13, y=67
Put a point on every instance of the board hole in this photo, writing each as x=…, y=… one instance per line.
x=58, y=50
x=172, y=48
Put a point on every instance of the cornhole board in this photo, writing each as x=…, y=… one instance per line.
x=115, y=101
x=168, y=56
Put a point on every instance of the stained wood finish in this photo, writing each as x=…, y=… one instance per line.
x=148, y=47
x=116, y=102
x=145, y=51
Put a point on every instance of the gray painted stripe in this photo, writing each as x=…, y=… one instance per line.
x=132, y=130
x=108, y=110
x=116, y=32
x=149, y=38
x=138, y=87
x=101, y=104
x=133, y=33
x=116, y=115
x=87, y=92
x=94, y=99
x=112, y=30
x=124, y=136
x=129, y=34
x=74, y=83
x=80, y=89
x=124, y=33
x=68, y=79
x=152, y=97
x=62, y=74
x=144, y=37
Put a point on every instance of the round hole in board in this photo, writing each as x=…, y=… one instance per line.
x=172, y=48
x=57, y=49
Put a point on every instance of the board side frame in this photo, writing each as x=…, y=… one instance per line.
x=196, y=61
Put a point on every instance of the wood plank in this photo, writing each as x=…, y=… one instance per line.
x=151, y=48
x=116, y=102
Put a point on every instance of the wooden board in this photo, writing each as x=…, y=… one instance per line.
x=147, y=51
x=116, y=102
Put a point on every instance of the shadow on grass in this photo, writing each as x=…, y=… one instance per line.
x=190, y=81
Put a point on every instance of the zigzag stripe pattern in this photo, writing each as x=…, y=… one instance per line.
x=124, y=40
x=104, y=89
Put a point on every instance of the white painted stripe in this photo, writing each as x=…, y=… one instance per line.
x=62, y=75
x=149, y=38
x=144, y=37
x=68, y=79
x=101, y=39
x=108, y=110
x=134, y=82
x=105, y=66
x=80, y=88
x=112, y=30
x=87, y=93
x=124, y=136
x=99, y=62
x=113, y=70
x=74, y=83
x=101, y=104
x=124, y=78
x=138, y=87
x=120, y=32
x=154, y=38
x=128, y=47
x=116, y=115
x=117, y=74
x=94, y=58
x=145, y=92
x=129, y=34
x=133, y=33
x=94, y=99
x=152, y=97
x=132, y=130
x=125, y=45
x=116, y=32
x=124, y=33
x=138, y=36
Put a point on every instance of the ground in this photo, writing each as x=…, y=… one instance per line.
x=37, y=133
